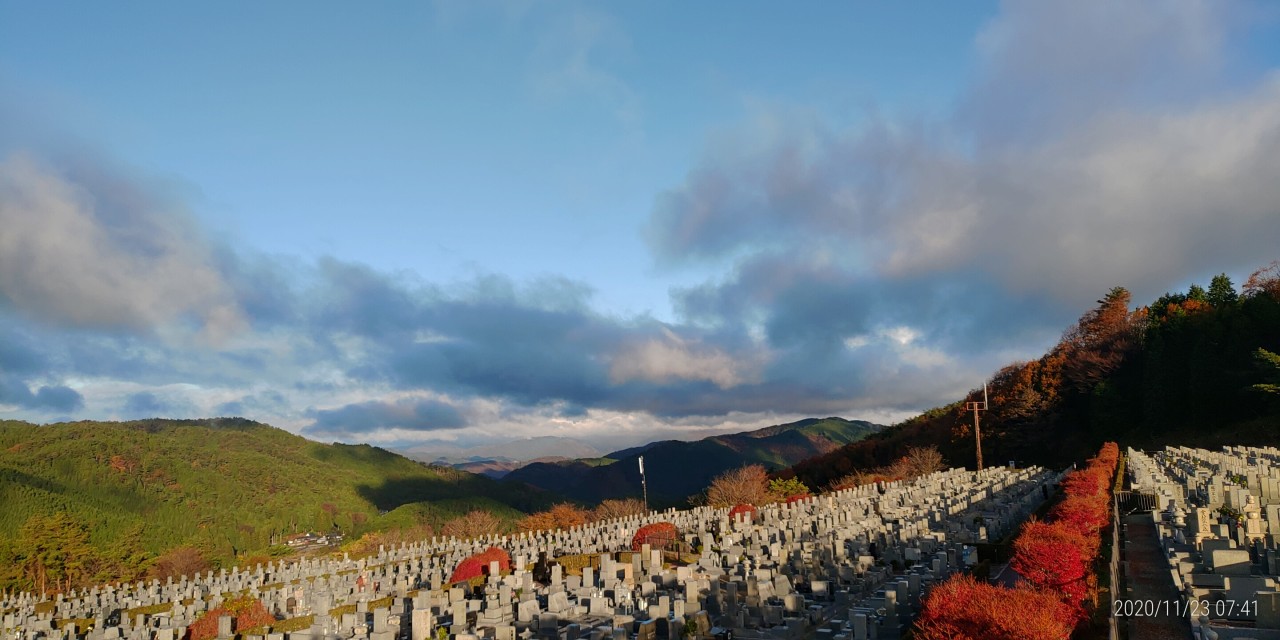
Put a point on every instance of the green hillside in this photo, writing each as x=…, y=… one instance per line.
x=224, y=486
x=1196, y=368
x=676, y=470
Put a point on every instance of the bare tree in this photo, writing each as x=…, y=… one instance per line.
x=611, y=509
x=178, y=562
x=744, y=485
x=476, y=524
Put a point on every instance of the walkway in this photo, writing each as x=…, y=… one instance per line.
x=1148, y=579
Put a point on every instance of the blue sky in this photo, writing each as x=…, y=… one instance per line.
x=459, y=222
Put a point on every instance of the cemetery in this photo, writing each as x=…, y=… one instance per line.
x=849, y=565
x=1217, y=516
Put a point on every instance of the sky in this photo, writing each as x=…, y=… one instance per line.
x=455, y=223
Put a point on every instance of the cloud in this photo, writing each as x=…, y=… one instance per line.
x=413, y=414
x=83, y=247
x=672, y=358
x=872, y=270
x=48, y=398
x=1099, y=146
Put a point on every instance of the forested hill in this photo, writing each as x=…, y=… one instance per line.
x=1196, y=368
x=223, y=486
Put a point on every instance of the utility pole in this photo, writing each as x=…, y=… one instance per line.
x=976, y=408
x=643, y=485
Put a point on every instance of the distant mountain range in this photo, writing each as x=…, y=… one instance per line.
x=676, y=470
x=496, y=460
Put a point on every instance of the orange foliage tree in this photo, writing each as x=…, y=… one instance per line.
x=560, y=516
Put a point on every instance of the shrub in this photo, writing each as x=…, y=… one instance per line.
x=1054, y=558
x=965, y=609
x=478, y=565
x=659, y=535
x=748, y=509
x=246, y=613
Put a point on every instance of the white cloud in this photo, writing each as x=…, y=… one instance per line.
x=104, y=258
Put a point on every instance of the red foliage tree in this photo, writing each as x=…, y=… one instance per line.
x=748, y=509
x=797, y=498
x=965, y=609
x=658, y=535
x=246, y=613
x=478, y=564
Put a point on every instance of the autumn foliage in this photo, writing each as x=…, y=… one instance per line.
x=246, y=613
x=965, y=609
x=478, y=564
x=560, y=516
x=658, y=535
x=748, y=509
x=1055, y=559
x=476, y=523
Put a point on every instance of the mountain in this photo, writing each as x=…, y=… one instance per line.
x=224, y=486
x=522, y=450
x=499, y=468
x=675, y=469
x=1198, y=368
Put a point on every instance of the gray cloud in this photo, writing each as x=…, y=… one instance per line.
x=47, y=398
x=414, y=414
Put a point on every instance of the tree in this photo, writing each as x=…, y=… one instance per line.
x=1269, y=363
x=178, y=562
x=613, y=509
x=784, y=488
x=1264, y=281
x=749, y=484
x=1221, y=292
x=560, y=516
x=919, y=461
x=477, y=523
x=55, y=552
x=1100, y=340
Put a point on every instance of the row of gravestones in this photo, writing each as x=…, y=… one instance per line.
x=847, y=563
x=1221, y=539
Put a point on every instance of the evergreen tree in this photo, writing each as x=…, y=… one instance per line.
x=1221, y=292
